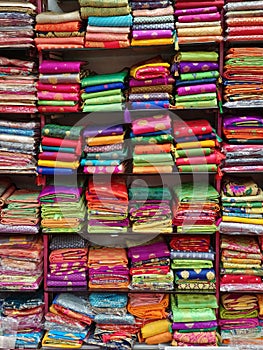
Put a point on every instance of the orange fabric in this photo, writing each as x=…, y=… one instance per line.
x=60, y=310
x=105, y=255
x=165, y=337
x=152, y=149
x=59, y=27
x=71, y=40
x=151, y=311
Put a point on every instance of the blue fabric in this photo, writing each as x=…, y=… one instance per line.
x=95, y=162
x=14, y=131
x=195, y=82
x=113, y=300
x=198, y=274
x=58, y=149
x=111, y=21
x=103, y=87
x=161, y=132
x=114, y=319
x=150, y=105
x=55, y=171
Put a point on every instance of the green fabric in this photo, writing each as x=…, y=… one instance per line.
x=246, y=205
x=191, y=264
x=196, y=97
x=145, y=140
x=115, y=107
x=106, y=229
x=62, y=131
x=24, y=196
x=151, y=159
x=199, y=75
x=56, y=103
x=197, y=330
x=194, y=301
x=193, y=152
x=103, y=79
x=74, y=229
x=103, y=3
x=254, y=272
x=209, y=229
x=197, y=104
x=198, y=192
x=104, y=100
x=141, y=193
x=108, y=155
x=87, y=96
x=242, y=199
x=197, y=56
x=248, y=61
x=104, y=11
x=231, y=315
x=200, y=168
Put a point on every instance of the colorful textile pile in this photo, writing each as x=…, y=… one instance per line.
x=107, y=205
x=197, y=73
x=196, y=208
x=243, y=76
x=194, y=320
x=150, y=266
x=55, y=30
x=67, y=262
x=68, y=322
x=192, y=259
x=109, y=23
x=103, y=92
x=17, y=85
x=152, y=144
x=241, y=263
x=152, y=75
x=197, y=148
x=150, y=209
x=21, y=262
x=60, y=149
x=153, y=23
x=156, y=332
x=105, y=150
x=62, y=209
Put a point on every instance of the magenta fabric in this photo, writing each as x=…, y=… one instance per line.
x=149, y=82
x=57, y=96
x=210, y=17
x=196, y=89
x=58, y=87
x=54, y=67
x=193, y=11
x=151, y=124
x=151, y=34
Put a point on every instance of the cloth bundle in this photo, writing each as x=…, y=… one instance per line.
x=103, y=92
x=150, y=209
x=153, y=75
x=60, y=149
x=153, y=23
x=197, y=148
x=197, y=73
x=152, y=144
x=55, y=30
x=105, y=150
x=156, y=332
x=21, y=262
x=241, y=263
x=107, y=202
x=150, y=266
x=62, y=208
x=242, y=77
x=196, y=208
x=108, y=268
x=198, y=22
x=67, y=262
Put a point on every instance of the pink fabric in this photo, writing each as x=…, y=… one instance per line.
x=58, y=87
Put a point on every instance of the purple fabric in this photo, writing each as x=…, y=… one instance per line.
x=25, y=229
x=238, y=323
x=56, y=190
x=151, y=251
x=55, y=67
x=228, y=121
x=105, y=148
x=194, y=11
x=210, y=17
x=151, y=34
x=92, y=131
x=71, y=277
x=149, y=82
x=196, y=89
x=192, y=67
x=193, y=325
x=52, y=283
x=111, y=223
x=105, y=270
x=60, y=266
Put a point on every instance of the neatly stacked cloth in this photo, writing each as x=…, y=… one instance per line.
x=107, y=202
x=244, y=20
x=103, y=92
x=153, y=23
x=153, y=144
x=67, y=322
x=21, y=262
x=60, y=149
x=105, y=150
x=108, y=268
x=194, y=320
x=62, y=208
x=16, y=24
x=197, y=148
x=196, y=208
x=197, y=73
x=156, y=332
x=109, y=23
x=150, y=209
x=67, y=262
x=198, y=22
x=150, y=266
x=241, y=263
x=55, y=30
x=243, y=77
x=156, y=73
x=191, y=253
x=17, y=85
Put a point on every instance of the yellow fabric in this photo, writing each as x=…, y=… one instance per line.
x=155, y=62
x=197, y=144
x=157, y=327
x=260, y=304
x=104, y=140
x=150, y=42
x=52, y=343
x=58, y=164
x=242, y=220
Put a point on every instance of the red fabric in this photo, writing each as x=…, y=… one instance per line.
x=58, y=109
x=240, y=279
x=191, y=243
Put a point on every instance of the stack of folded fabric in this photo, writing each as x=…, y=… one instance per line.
x=156, y=332
x=103, y=92
x=153, y=144
x=21, y=262
x=109, y=23
x=150, y=209
x=55, y=30
x=153, y=23
x=197, y=148
x=238, y=316
x=105, y=150
x=150, y=266
x=17, y=85
x=61, y=149
x=67, y=262
x=67, y=322
x=190, y=253
x=62, y=208
x=241, y=263
x=243, y=77
x=198, y=21
x=196, y=208
x=243, y=20
x=18, y=146
x=194, y=320
x=154, y=72
x=196, y=84
x=59, y=86
x=108, y=268
x=16, y=24
x=107, y=205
